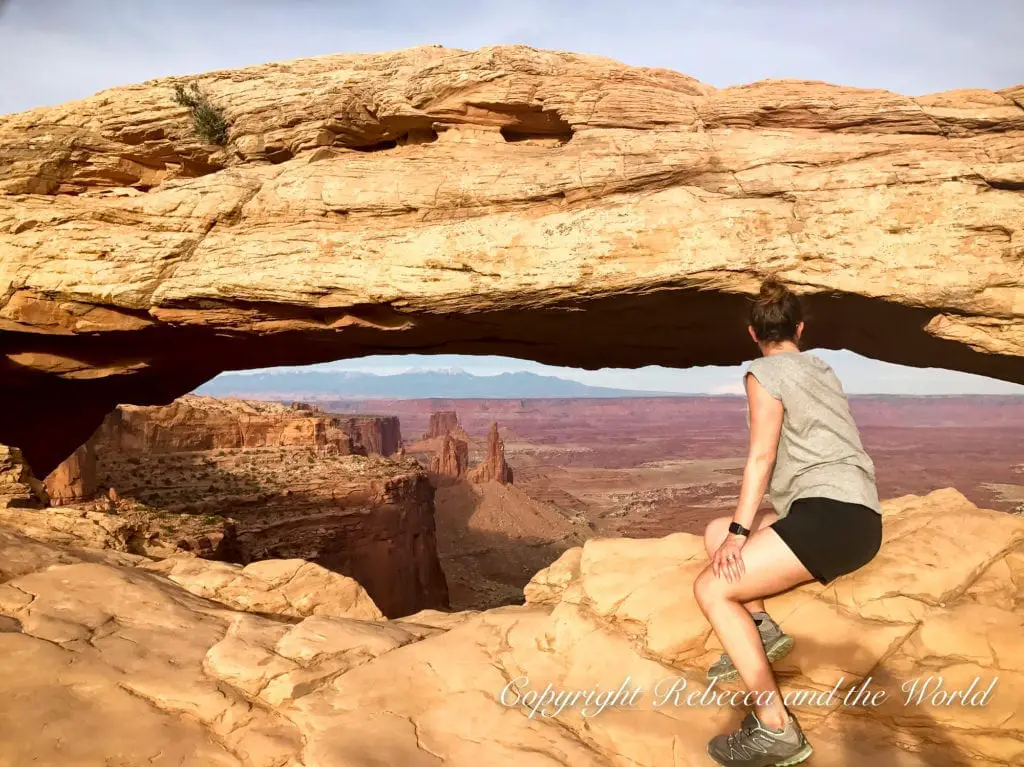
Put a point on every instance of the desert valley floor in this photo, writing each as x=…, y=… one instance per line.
x=650, y=466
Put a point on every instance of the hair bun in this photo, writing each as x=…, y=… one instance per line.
x=772, y=291
x=776, y=314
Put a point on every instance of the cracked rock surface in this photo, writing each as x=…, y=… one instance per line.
x=105, y=659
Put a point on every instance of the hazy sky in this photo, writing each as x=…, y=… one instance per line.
x=860, y=375
x=56, y=50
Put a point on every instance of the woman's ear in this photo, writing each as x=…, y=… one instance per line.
x=799, y=330
x=750, y=329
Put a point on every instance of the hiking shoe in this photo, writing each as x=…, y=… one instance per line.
x=776, y=643
x=756, y=745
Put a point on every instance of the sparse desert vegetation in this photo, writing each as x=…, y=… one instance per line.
x=208, y=120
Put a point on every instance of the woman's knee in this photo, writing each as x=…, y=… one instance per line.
x=707, y=588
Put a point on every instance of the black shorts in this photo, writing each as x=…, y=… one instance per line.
x=830, y=537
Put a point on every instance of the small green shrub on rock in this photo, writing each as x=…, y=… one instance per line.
x=208, y=120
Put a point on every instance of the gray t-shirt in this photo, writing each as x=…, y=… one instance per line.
x=820, y=453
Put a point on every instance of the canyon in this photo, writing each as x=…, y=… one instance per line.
x=642, y=467
x=283, y=481
x=492, y=535
x=245, y=481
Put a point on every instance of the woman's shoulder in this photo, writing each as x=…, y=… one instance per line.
x=770, y=373
x=788, y=358
x=777, y=371
x=775, y=361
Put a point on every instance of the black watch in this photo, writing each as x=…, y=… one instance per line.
x=737, y=529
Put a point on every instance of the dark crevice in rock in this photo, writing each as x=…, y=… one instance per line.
x=379, y=146
x=538, y=124
x=277, y=155
x=415, y=136
x=192, y=168
x=523, y=122
x=513, y=134
x=1010, y=185
x=419, y=136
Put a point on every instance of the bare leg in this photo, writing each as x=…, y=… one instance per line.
x=717, y=531
x=770, y=568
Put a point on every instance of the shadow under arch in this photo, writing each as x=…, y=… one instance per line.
x=667, y=325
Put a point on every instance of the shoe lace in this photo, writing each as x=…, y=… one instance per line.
x=742, y=742
x=737, y=738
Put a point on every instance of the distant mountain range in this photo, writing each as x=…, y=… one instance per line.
x=413, y=384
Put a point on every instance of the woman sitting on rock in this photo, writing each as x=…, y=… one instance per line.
x=827, y=522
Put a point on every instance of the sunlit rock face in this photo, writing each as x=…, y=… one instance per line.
x=284, y=663
x=18, y=487
x=545, y=205
x=207, y=423
x=75, y=478
x=243, y=481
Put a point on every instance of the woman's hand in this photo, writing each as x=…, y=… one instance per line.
x=728, y=560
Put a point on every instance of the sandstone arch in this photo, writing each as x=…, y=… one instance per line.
x=546, y=205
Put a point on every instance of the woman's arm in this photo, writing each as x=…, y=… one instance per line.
x=765, y=427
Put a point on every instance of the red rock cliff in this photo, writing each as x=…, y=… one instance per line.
x=443, y=422
x=373, y=434
x=451, y=459
x=494, y=467
x=296, y=481
x=206, y=423
x=369, y=518
x=75, y=478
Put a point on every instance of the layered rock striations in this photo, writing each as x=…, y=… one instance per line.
x=368, y=518
x=18, y=486
x=557, y=207
x=494, y=467
x=207, y=423
x=260, y=678
x=247, y=481
x=373, y=434
x=128, y=526
x=441, y=423
x=451, y=460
